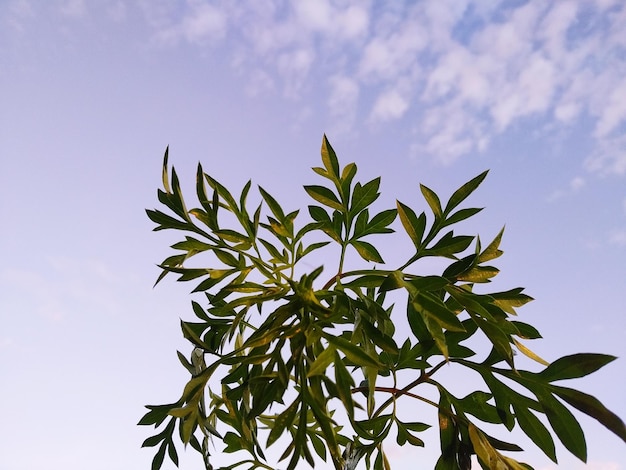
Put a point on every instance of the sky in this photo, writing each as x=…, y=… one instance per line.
x=92, y=92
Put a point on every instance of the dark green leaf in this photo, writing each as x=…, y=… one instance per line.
x=564, y=424
x=592, y=407
x=535, y=429
x=460, y=215
x=430, y=306
x=574, y=366
x=272, y=204
x=450, y=245
x=354, y=353
x=157, y=461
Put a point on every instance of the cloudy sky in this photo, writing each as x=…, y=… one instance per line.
x=91, y=93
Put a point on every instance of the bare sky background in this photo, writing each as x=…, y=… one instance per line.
x=91, y=93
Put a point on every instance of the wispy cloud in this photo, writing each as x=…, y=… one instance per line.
x=461, y=72
x=575, y=185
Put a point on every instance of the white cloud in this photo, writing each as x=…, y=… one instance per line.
x=389, y=105
x=293, y=67
x=577, y=183
x=202, y=23
x=614, y=112
x=342, y=102
x=488, y=64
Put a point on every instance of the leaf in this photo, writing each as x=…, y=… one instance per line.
x=526, y=331
x=564, y=424
x=381, y=221
x=449, y=245
x=575, y=366
x=464, y=191
x=329, y=158
x=324, y=196
x=460, y=215
x=321, y=363
x=592, y=407
x=164, y=175
x=363, y=196
x=528, y=353
x=479, y=274
x=492, y=251
x=430, y=306
x=347, y=175
x=510, y=299
x=433, y=201
x=413, y=225
x=165, y=221
x=535, y=430
x=157, y=461
x=272, y=204
x=367, y=251
x=354, y=353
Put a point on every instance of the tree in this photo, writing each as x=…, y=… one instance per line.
x=277, y=347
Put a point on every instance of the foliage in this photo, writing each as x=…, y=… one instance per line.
x=282, y=347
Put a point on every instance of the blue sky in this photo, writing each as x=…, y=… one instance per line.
x=91, y=93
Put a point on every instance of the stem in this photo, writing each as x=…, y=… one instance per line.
x=405, y=391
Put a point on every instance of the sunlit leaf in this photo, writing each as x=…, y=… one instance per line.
x=367, y=251
x=464, y=191
x=433, y=200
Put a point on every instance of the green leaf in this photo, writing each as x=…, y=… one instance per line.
x=450, y=245
x=575, y=366
x=347, y=175
x=460, y=215
x=329, y=158
x=433, y=201
x=430, y=306
x=564, y=424
x=324, y=196
x=381, y=221
x=510, y=299
x=165, y=221
x=492, y=251
x=413, y=225
x=526, y=331
x=272, y=204
x=592, y=407
x=363, y=196
x=479, y=274
x=464, y=191
x=164, y=175
x=535, y=429
x=321, y=363
x=354, y=353
x=157, y=461
x=367, y=251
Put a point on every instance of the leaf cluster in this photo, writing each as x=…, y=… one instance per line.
x=282, y=350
